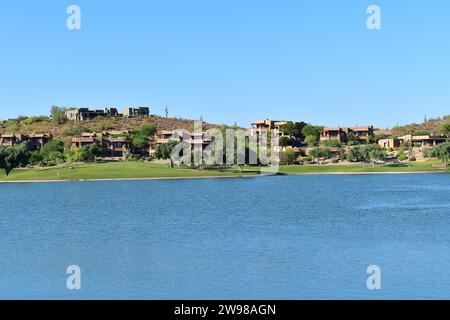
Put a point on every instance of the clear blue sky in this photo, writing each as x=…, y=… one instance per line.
x=233, y=60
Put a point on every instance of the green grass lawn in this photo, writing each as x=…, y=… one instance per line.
x=428, y=166
x=111, y=170
x=131, y=170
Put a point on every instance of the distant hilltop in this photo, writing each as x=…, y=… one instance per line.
x=440, y=125
x=85, y=114
x=64, y=129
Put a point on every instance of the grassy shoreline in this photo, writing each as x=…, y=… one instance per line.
x=412, y=167
x=147, y=171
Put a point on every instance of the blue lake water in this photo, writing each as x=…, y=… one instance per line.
x=283, y=237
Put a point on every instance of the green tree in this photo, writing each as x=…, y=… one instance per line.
x=72, y=155
x=91, y=152
x=372, y=153
x=285, y=141
x=140, y=143
x=23, y=153
x=288, y=157
x=7, y=160
x=58, y=114
x=164, y=151
x=351, y=139
x=311, y=140
x=149, y=130
x=372, y=139
x=36, y=158
x=14, y=157
x=442, y=152
x=377, y=153
x=310, y=130
x=293, y=129
x=140, y=139
x=320, y=153
x=53, y=152
x=354, y=154
x=289, y=128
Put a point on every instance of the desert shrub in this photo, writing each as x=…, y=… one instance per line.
x=427, y=152
x=332, y=144
x=75, y=131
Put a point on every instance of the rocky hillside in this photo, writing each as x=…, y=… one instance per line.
x=436, y=126
x=69, y=129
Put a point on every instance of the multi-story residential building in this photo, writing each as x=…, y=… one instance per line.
x=165, y=136
x=87, y=139
x=85, y=114
x=116, y=147
x=361, y=134
x=162, y=137
x=267, y=125
x=8, y=140
x=35, y=141
x=334, y=134
x=114, y=144
x=295, y=138
x=135, y=112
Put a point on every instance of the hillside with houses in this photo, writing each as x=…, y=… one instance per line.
x=63, y=130
x=84, y=135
